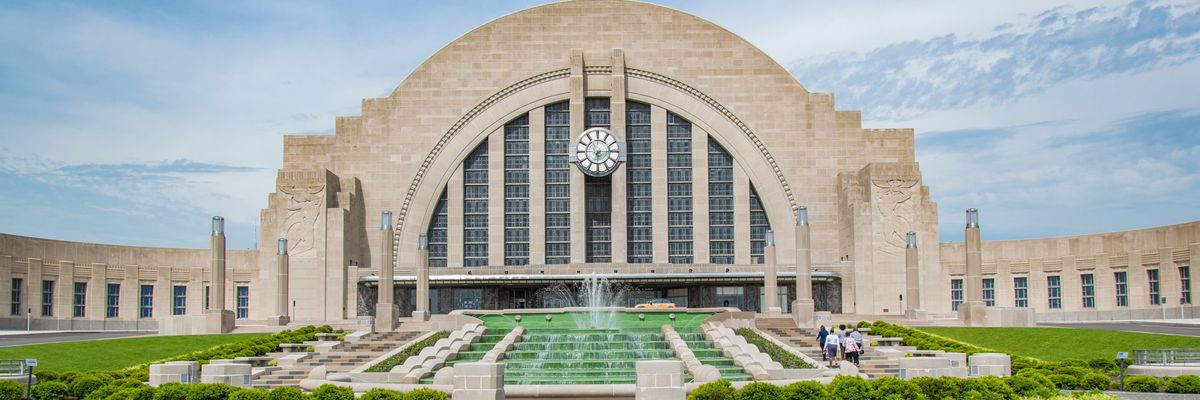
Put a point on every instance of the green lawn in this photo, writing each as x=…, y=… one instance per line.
x=1053, y=344
x=115, y=353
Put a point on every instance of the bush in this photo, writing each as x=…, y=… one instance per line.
x=333, y=392
x=11, y=390
x=85, y=385
x=847, y=387
x=382, y=394
x=249, y=394
x=1184, y=384
x=805, y=390
x=209, y=391
x=426, y=394
x=285, y=393
x=51, y=390
x=1072, y=371
x=888, y=387
x=759, y=391
x=102, y=393
x=1143, y=384
x=864, y=324
x=1064, y=382
x=718, y=390
x=171, y=391
x=938, y=388
x=985, y=388
x=142, y=393
x=1095, y=381
x=1027, y=386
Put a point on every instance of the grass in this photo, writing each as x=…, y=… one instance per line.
x=1053, y=344
x=110, y=354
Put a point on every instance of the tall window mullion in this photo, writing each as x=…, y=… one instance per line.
x=759, y=224
x=639, y=200
x=1087, y=282
x=516, y=191
x=558, y=183
x=438, y=235
x=475, y=207
x=679, y=190
x=720, y=204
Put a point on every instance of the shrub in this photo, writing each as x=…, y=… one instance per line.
x=938, y=388
x=52, y=390
x=46, y=376
x=1095, y=381
x=11, y=390
x=209, y=391
x=85, y=385
x=985, y=388
x=1027, y=386
x=888, y=387
x=1184, y=384
x=426, y=394
x=171, y=391
x=285, y=393
x=249, y=394
x=805, y=390
x=777, y=353
x=847, y=387
x=333, y=392
x=102, y=393
x=759, y=391
x=718, y=390
x=382, y=394
x=1104, y=365
x=864, y=324
x=1143, y=384
x=129, y=393
x=1064, y=382
x=1071, y=370
x=411, y=350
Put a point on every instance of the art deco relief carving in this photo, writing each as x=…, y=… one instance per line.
x=896, y=210
x=304, y=204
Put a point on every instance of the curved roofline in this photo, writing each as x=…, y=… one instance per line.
x=555, y=3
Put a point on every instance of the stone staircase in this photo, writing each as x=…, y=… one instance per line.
x=872, y=363
x=342, y=358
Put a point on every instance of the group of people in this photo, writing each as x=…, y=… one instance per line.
x=840, y=345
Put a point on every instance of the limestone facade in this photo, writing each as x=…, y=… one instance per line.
x=479, y=124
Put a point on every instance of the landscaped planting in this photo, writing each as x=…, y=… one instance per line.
x=411, y=350
x=779, y=354
x=854, y=388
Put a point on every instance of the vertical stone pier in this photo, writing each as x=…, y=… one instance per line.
x=421, y=311
x=973, y=312
x=803, y=308
x=218, y=319
x=281, y=316
x=659, y=380
x=770, y=278
x=478, y=381
x=386, y=314
x=912, y=279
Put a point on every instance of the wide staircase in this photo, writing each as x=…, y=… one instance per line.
x=872, y=363
x=342, y=358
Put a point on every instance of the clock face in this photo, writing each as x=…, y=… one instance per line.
x=598, y=152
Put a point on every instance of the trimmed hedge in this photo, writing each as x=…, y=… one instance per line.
x=779, y=354
x=1147, y=384
x=127, y=390
x=411, y=350
x=852, y=387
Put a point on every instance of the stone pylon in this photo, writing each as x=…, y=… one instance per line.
x=912, y=279
x=770, y=278
x=421, y=311
x=217, y=319
x=281, y=316
x=973, y=311
x=803, y=309
x=386, y=313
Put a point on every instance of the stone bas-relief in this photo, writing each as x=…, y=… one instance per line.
x=789, y=146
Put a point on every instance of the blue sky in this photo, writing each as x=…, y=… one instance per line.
x=133, y=122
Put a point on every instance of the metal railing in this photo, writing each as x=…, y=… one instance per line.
x=1166, y=356
x=12, y=367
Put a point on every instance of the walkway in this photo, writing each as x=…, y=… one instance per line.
x=871, y=363
x=343, y=358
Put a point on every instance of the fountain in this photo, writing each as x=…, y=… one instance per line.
x=600, y=299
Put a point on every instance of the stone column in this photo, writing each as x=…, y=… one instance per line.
x=770, y=278
x=912, y=287
x=385, y=309
x=218, y=319
x=803, y=308
x=421, y=313
x=972, y=311
x=281, y=285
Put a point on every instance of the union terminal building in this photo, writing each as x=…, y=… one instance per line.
x=621, y=139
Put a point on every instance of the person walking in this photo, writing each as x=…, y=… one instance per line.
x=821, y=341
x=841, y=335
x=832, y=346
x=858, y=339
x=851, y=350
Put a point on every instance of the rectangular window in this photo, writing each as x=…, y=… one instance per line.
x=178, y=300
x=243, y=301
x=80, y=304
x=1088, y=283
x=47, y=298
x=1152, y=279
x=146, y=306
x=1185, y=284
x=207, y=296
x=516, y=191
x=475, y=210
x=17, y=284
x=438, y=234
x=1122, y=289
x=758, y=227
x=113, y=300
x=1021, y=292
x=558, y=183
x=679, y=190
x=956, y=293
x=1054, y=292
x=989, y=292
x=720, y=204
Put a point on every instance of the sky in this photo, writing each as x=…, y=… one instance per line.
x=134, y=122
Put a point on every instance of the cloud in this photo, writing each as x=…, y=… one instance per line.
x=907, y=79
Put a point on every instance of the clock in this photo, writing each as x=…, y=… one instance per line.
x=598, y=152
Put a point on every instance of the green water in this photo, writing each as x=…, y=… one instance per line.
x=558, y=352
